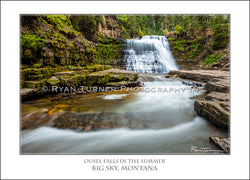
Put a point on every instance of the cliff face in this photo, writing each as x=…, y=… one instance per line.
x=53, y=51
x=201, y=49
x=51, y=39
x=110, y=27
x=96, y=26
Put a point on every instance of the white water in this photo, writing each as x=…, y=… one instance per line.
x=114, y=96
x=50, y=140
x=150, y=54
x=177, y=139
x=152, y=99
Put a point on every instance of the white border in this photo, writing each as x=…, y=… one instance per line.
x=16, y=166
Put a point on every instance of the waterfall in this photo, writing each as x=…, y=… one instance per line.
x=150, y=54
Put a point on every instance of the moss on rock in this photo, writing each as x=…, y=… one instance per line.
x=51, y=40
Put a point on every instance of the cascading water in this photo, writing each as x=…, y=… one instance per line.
x=150, y=54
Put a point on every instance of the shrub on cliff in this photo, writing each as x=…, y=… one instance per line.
x=212, y=58
x=179, y=29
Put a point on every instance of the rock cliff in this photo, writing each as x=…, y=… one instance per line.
x=51, y=40
x=201, y=48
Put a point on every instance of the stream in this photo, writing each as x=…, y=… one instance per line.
x=158, y=120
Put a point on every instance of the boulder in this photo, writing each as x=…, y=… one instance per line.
x=27, y=93
x=214, y=111
x=53, y=81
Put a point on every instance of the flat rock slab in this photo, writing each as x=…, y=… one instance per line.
x=200, y=75
x=123, y=84
x=26, y=91
x=217, y=96
x=222, y=143
x=113, y=75
x=114, y=71
x=65, y=73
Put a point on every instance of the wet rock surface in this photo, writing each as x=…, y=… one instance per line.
x=82, y=77
x=201, y=75
x=217, y=96
x=218, y=85
x=28, y=93
x=214, y=111
x=93, y=121
x=214, y=105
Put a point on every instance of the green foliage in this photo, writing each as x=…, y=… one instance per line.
x=179, y=45
x=138, y=25
x=201, y=44
x=179, y=29
x=31, y=41
x=93, y=19
x=203, y=35
x=36, y=65
x=141, y=33
x=212, y=59
x=108, y=40
x=31, y=45
x=60, y=21
x=158, y=24
x=108, y=48
x=43, y=20
x=70, y=67
x=87, y=25
x=221, y=35
x=123, y=19
x=109, y=51
x=165, y=31
x=171, y=39
x=180, y=48
x=195, y=22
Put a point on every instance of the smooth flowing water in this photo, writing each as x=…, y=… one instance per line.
x=158, y=119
